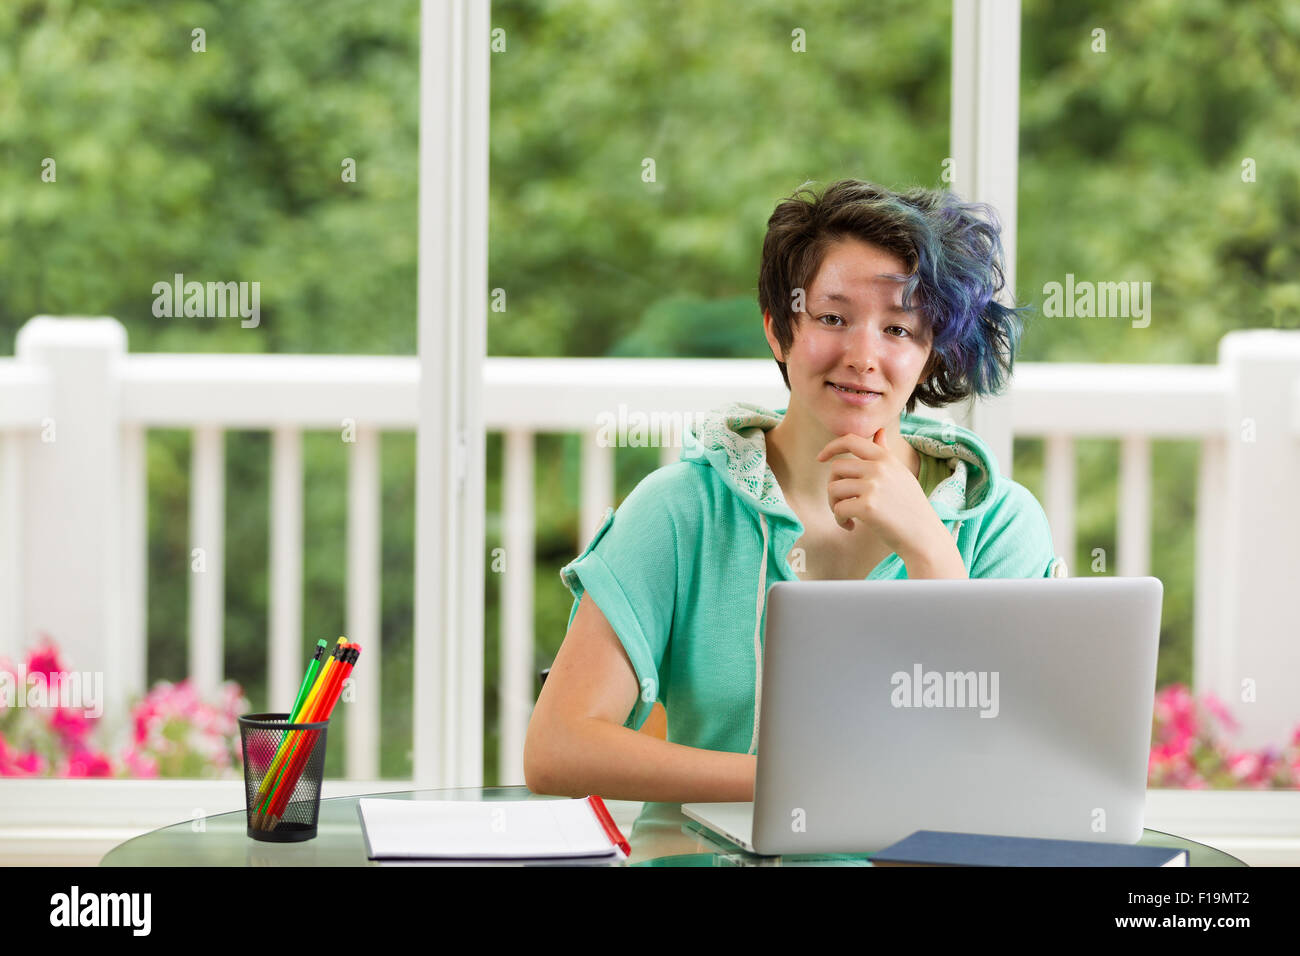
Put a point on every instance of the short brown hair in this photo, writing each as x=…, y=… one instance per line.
x=952, y=252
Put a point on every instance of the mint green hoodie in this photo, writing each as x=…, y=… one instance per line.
x=681, y=569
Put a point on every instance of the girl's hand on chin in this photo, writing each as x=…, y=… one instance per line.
x=873, y=486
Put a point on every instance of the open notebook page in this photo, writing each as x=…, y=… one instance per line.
x=468, y=829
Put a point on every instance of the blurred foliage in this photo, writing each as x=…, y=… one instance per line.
x=1132, y=167
x=226, y=165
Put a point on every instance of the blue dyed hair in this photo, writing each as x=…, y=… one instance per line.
x=953, y=253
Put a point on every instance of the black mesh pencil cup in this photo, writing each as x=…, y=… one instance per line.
x=282, y=785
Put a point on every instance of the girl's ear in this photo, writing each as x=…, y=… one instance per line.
x=773, y=344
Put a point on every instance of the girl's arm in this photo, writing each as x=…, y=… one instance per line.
x=577, y=744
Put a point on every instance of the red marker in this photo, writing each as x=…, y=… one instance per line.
x=607, y=821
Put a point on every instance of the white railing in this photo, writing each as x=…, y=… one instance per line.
x=75, y=407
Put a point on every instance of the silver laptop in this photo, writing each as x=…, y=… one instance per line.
x=1019, y=707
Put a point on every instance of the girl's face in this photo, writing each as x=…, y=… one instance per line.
x=853, y=332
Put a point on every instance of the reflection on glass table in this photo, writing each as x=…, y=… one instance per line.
x=659, y=834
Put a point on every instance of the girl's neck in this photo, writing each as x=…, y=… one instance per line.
x=794, y=443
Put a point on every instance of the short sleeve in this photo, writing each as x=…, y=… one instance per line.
x=630, y=571
x=1015, y=540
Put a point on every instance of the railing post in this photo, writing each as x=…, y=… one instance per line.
x=1133, y=534
x=285, y=570
x=72, y=537
x=1211, y=647
x=1061, y=495
x=363, y=607
x=207, y=559
x=1261, y=682
x=597, y=489
x=11, y=537
x=518, y=673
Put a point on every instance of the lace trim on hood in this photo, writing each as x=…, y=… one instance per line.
x=733, y=437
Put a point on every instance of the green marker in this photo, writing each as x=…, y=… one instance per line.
x=308, y=679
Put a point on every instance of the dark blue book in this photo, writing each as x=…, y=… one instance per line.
x=943, y=848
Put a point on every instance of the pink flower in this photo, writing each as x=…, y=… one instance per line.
x=14, y=763
x=6, y=759
x=261, y=749
x=142, y=715
x=1189, y=747
x=1216, y=707
x=87, y=763
x=45, y=660
x=173, y=724
x=139, y=764
x=32, y=764
x=171, y=730
x=1243, y=764
x=71, y=724
x=1174, y=711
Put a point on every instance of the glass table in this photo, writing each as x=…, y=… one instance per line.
x=658, y=833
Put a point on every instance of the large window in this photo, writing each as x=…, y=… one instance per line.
x=637, y=153
x=1157, y=148
x=227, y=142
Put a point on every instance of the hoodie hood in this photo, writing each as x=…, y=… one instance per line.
x=732, y=440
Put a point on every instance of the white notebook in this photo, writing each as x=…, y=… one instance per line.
x=489, y=829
